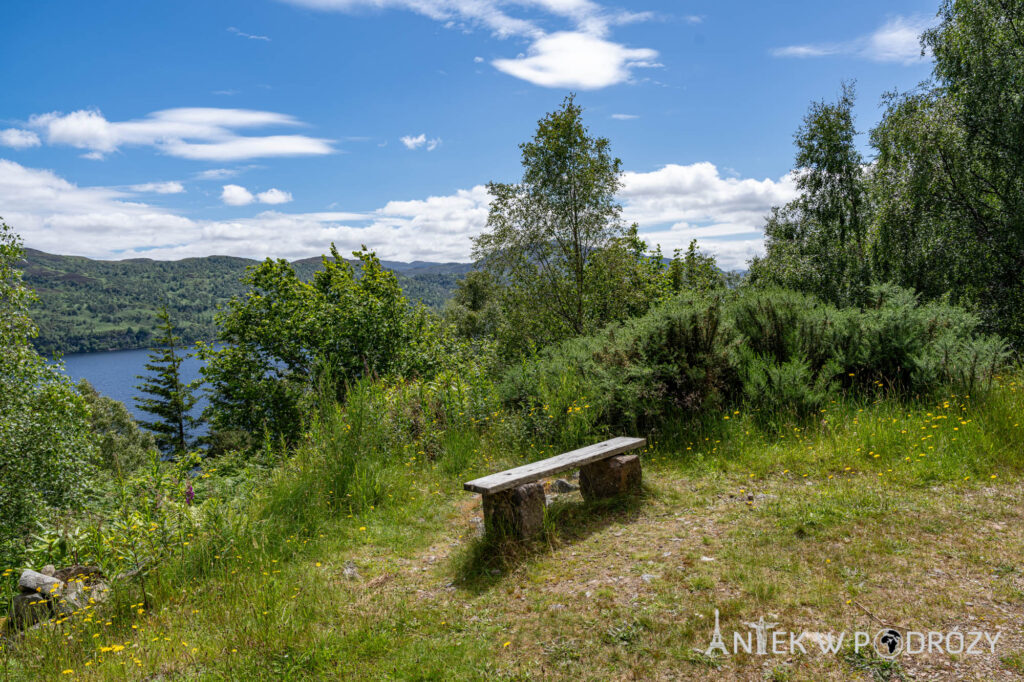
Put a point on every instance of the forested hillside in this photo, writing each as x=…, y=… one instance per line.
x=92, y=305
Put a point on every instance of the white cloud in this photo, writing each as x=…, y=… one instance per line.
x=417, y=141
x=191, y=133
x=897, y=41
x=217, y=174
x=18, y=139
x=672, y=204
x=624, y=117
x=250, y=36
x=576, y=60
x=236, y=195
x=478, y=60
x=412, y=142
x=170, y=187
x=274, y=196
x=696, y=202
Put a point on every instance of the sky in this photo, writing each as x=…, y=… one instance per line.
x=272, y=128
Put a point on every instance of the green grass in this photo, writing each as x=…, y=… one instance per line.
x=848, y=525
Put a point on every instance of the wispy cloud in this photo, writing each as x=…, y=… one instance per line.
x=250, y=36
x=896, y=41
x=195, y=133
x=624, y=117
x=169, y=187
x=217, y=174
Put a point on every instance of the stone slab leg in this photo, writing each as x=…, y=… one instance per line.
x=610, y=477
x=517, y=512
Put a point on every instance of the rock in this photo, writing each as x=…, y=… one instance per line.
x=76, y=596
x=48, y=570
x=556, y=607
x=80, y=573
x=648, y=577
x=350, y=571
x=31, y=582
x=28, y=609
x=517, y=512
x=563, y=486
x=610, y=477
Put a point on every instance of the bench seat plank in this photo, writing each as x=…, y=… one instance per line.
x=503, y=480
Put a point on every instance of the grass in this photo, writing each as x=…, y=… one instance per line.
x=877, y=513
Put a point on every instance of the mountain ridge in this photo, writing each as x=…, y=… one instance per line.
x=89, y=305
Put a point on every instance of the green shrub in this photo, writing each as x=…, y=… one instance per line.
x=780, y=352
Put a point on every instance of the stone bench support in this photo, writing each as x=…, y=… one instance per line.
x=516, y=512
x=610, y=477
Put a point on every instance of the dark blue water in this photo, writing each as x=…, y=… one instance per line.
x=113, y=374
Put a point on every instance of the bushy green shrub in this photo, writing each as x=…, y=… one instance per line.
x=634, y=374
x=780, y=352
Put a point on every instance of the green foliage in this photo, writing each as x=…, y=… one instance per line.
x=46, y=447
x=92, y=305
x=951, y=166
x=556, y=243
x=474, y=308
x=782, y=353
x=818, y=243
x=121, y=445
x=172, y=401
x=941, y=210
x=694, y=270
x=286, y=337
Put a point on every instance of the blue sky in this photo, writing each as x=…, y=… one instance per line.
x=273, y=127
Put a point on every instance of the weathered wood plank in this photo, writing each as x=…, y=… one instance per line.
x=503, y=480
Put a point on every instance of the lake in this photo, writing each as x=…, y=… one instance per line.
x=113, y=374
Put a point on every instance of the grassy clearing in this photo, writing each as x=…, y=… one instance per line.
x=879, y=513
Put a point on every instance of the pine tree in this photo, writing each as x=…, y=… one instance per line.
x=172, y=401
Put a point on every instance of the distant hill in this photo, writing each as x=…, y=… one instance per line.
x=92, y=305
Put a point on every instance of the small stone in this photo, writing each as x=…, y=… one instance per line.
x=350, y=571
x=48, y=570
x=563, y=486
x=707, y=558
x=556, y=607
x=648, y=577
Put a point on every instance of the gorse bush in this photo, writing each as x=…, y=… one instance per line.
x=777, y=351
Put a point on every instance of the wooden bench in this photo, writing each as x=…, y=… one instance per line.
x=514, y=502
